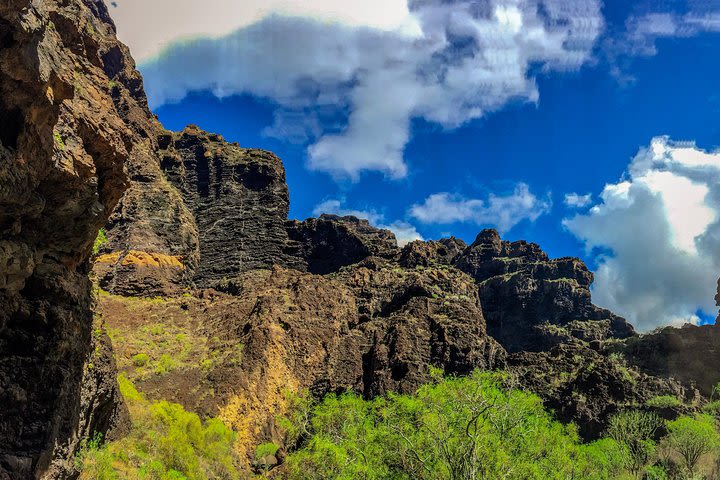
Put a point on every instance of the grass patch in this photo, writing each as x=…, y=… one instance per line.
x=165, y=443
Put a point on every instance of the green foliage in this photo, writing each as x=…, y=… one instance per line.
x=59, y=142
x=664, y=401
x=712, y=408
x=166, y=443
x=100, y=240
x=140, y=360
x=458, y=428
x=691, y=438
x=634, y=430
x=266, y=450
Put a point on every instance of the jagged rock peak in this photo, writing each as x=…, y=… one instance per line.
x=330, y=242
x=431, y=252
x=523, y=292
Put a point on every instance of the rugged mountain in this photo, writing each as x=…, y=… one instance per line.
x=72, y=115
x=690, y=354
x=526, y=296
x=330, y=242
x=371, y=328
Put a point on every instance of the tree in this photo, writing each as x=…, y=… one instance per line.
x=691, y=438
x=465, y=428
x=635, y=429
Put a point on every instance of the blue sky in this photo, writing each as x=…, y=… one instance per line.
x=439, y=118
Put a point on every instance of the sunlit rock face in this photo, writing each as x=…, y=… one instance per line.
x=72, y=116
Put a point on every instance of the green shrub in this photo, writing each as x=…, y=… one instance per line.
x=100, y=240
x=166, y=442
x=141, y=359
x=664, y=401
x=712, y=408
x=59, y=142
x=634, y=430
x=469, y=427
x=691, y=438
x=166, y=363
x=266, y=450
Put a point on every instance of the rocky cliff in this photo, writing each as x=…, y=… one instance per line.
x=72, y=114
x=528, y=298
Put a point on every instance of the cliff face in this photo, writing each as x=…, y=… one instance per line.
x=70, y=107
x=238, y=198
x=325, y=244
x=372, y=328
x=689, y=354
x=526, y=296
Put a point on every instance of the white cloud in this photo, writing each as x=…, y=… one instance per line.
x=661, y=228
x=148, y=26
x=404, y=231
x=644, y=30
x=502, y=212
x=465, y=59
x=575, y=200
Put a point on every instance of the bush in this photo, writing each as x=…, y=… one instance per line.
x=165, y=443
x=664, y=401
x=634, y=430
x=100, y=240
x=140, y=360
x=468, y=427
x=691, y=438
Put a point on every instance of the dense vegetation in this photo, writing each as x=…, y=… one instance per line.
x=165, y=443
x=474, y=427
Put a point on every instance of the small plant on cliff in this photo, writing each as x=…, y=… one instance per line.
x=59, y=142
x=100, y=240
x=140, y=360
x=664, y=401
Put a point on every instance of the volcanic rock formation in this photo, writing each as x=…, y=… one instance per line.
x=523, y=292
x=72, y=111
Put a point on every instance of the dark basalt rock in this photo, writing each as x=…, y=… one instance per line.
x=203, y=210
x=690, y=354
x=586, y=387
x=330, y=242
x=239, y=201
x=441, y=252
x=64, y=145
x=522, y=292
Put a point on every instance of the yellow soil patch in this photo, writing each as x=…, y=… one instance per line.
x=264, y=399
x=142, y=259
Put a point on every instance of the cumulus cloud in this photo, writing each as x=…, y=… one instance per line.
x=147, y=26
x=459, y=61
x=575, y=200
x=404, y=231
x=502, y=212
x=658, y=234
